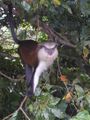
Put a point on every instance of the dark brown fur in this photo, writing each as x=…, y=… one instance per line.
x=28, y=52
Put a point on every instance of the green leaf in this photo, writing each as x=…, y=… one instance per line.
x=31, y=108
x=85, y=7
x=53, y=101
x=48, y=86
x=46, y=114
x=22, y=34
x=83, y=115
x=25, y=5
x=80, y=91
x=38, y=91
x=57, y=113
x=67, y=8
x=62, y=106
x=39, y=116
x=88, y=97
x=85, y=52
x=56, y=2
x=14, y=116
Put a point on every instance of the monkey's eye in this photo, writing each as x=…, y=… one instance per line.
x=49, y=50
x=46, y=48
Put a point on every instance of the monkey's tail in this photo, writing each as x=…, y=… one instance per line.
x=11, y=23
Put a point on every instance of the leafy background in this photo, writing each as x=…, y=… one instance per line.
x=64, y=91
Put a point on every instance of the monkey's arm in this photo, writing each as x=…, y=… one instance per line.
x=39, y=70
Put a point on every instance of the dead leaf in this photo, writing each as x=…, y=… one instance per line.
x=56, y=2
x=68, y=97
x=64, y=79
x=85, y=52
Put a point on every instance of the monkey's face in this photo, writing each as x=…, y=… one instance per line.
x=48, y=52
x=49, y=48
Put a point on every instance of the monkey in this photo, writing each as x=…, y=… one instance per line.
x=36, y=57
x=39, y=56
x=46, y=56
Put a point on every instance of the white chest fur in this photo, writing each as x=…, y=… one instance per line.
x=45, y=61
x=45, y=57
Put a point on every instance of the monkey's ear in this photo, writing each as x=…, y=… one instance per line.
x=56, y=44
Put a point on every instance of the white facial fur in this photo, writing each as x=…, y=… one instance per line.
x=50, y=44
x=45, y=61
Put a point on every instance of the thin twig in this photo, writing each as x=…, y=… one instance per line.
x=9, y=78
x=8, y=116
x=21, y=105
x=56, y=36
x=58, y=65
x=20, y=108
x=25, y=114
x=3, y=54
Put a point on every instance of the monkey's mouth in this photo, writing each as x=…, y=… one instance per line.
x=50, y=51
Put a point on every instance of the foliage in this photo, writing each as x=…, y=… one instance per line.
x=84, y=115
x=64, y=91
x=46, y=106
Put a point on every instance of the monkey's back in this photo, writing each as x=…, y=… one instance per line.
x=28, y=52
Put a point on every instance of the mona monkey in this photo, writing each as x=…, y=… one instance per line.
x=37, y=56
x=33, y=55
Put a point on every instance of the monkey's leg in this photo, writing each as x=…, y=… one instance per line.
x=29, y=79
x=28, y=73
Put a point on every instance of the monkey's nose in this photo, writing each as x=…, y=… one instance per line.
x=50, y=52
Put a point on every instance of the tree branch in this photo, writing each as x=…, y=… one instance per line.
x=53, y=35
x=9, y=78
x=19, y=109
x=3, y=54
